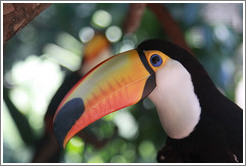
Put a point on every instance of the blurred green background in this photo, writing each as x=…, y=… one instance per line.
x=37, y=59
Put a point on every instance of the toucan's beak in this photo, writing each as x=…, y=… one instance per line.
x=118, y=82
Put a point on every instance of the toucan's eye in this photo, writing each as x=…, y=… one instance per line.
x=156, y=60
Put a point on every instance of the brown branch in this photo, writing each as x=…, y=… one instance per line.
x=170, y=25
x=47, y=150
x=133, y=18
x=18, y=15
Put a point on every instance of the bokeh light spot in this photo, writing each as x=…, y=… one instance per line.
x=118, y=159
x=195, y=37
x=95, y=159
x=130, y=154
x=72, y=157
x=86, y=34
x=127, y=45
x=101, y=19
x=75, y=144
x=222, y=33
x=22, y=97
x=128, y=127
x=147, y=150
x=113, y=33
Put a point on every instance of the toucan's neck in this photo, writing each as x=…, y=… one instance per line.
x=176, y=102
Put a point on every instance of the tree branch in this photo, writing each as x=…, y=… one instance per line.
x=133, y=18
x=18, y=15
x=170, y=25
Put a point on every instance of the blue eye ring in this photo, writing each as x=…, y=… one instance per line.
x=156, y=60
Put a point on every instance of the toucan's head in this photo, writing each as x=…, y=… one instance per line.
x=124, y=80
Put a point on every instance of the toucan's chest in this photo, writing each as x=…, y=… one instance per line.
x=207, y=143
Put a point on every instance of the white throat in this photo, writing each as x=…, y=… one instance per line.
x=176, y=102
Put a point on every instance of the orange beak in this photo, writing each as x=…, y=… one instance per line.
x=118, y=82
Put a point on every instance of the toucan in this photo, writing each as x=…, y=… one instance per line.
x=203, y=126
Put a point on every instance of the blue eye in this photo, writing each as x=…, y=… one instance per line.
x=156, y=60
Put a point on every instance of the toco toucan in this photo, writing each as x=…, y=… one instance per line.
x=201, y=123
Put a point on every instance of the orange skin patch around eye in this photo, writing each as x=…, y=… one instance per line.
x=164, y=57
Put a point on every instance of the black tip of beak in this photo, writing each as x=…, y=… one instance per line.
x=66, y=118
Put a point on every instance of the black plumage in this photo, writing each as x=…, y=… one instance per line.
x=218, y=136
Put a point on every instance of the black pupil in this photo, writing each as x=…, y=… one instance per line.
x=155, y=59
